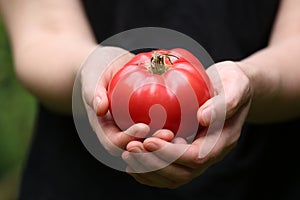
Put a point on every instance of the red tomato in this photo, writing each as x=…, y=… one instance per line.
x=161, y=88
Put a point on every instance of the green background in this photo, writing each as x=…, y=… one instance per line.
x=17, y=114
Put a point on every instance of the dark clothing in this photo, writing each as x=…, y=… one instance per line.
x=263, y=163
x=227, y=29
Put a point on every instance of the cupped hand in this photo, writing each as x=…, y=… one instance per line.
x=172, y=162
x=96, y=73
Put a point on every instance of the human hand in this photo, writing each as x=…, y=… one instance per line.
x=96, y=73
x=233, y=95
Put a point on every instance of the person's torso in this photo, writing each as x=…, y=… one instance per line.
x=227, y=29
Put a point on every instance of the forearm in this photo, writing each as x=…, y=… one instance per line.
x=50, y=39
x=47, y=67
x=274, y=76
x=274, y=71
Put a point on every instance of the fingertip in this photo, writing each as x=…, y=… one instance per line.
x=135, y=147
x=138, y=130
x=164, y=134
x=100, y=105
x=204, y=116
x=125, y=155
x=97, y=102
x=142, y=126
x=154, y=144
x=151, y=146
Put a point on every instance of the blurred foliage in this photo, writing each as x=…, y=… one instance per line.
x=17, y=113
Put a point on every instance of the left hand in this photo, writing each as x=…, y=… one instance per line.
x=232, y=86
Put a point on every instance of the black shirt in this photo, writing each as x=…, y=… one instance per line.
x=262, y=165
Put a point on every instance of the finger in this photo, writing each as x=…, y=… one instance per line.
x=172, y=152
x=133, y=162
x=135, y=147
x=117, y=60
x=144, y=162
x=93, y=68
x=139, y=130
x=151, y=170
x=212, y=110
x=179, y=153
x=113, y=139
x=100, y=102
x=151, y=179
x=140, y=163
x=233, y=91
x=173, y=174
x=96, y=73
x=200, y=154
x=179, y=140
x=154, y=169
x=164, y=134
x=135, y=132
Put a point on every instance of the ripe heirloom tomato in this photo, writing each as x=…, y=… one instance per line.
x=161, y=88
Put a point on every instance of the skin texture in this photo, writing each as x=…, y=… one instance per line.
x=190, y=165
x=50, y=40
x=51, y=36
x=267, y=79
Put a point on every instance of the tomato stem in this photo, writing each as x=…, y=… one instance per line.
x=160, y=63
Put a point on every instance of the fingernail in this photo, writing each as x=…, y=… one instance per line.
x=137, y=130
x=135, y=150
x=208, y=116
x=151, y=146
x=97, y=102
x=125, y=155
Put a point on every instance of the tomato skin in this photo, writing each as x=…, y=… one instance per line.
x=140, y=108
x=164, y=100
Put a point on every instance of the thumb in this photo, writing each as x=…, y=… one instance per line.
x=100, y=101
x=95, y=77
x=234, y=92
x=212, y=110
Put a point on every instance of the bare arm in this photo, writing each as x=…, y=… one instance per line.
x=264, y=87
x=274, y=72
x=50, y=39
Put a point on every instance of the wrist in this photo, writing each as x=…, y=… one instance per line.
x=250, y=72
x=265, y=87
x=264, y=82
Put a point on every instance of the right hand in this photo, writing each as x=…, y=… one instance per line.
x=96, y=74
